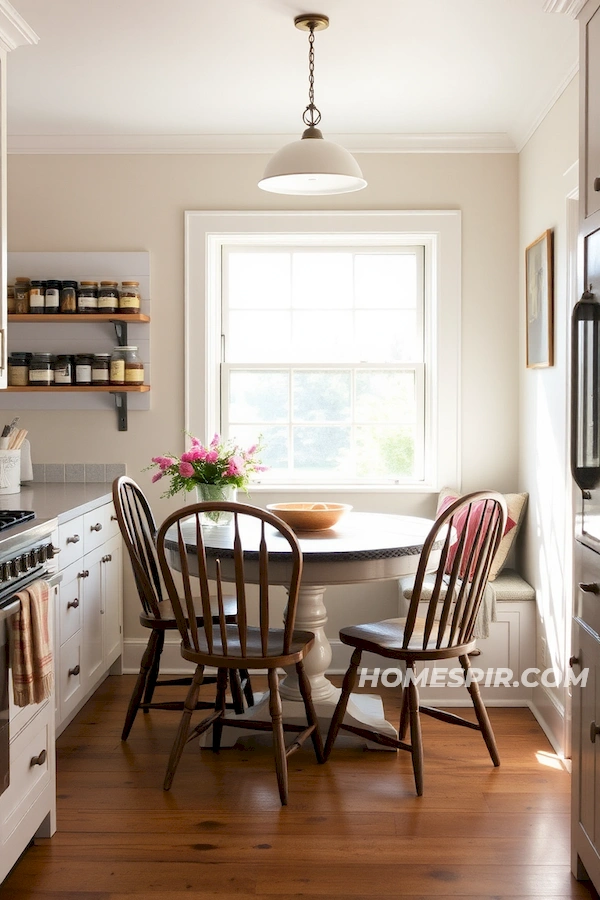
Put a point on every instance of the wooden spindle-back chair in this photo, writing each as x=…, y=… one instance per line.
x=469, y=532
x=138, y=530
x=225, y=645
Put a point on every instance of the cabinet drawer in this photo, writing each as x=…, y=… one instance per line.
x=30, y=760
x=69, y=675
x=587, y=592
x=112, y=525
x=69, y=603
x=94, y=528
x=70, y=541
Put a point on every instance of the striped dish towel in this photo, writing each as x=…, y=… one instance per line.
x=31, y=652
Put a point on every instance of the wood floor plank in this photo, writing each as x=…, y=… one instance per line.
x=353, y=829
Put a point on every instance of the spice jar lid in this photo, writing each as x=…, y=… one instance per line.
x=101, y=355
x=109, y=283
x=89, y=283
x=126, y=348
x=131, y=283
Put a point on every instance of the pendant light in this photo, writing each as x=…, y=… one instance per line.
x=312, y=165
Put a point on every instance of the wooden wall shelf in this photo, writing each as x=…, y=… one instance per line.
x=78, y=317
x=68, y=388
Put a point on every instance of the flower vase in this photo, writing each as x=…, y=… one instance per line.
x=216, y=492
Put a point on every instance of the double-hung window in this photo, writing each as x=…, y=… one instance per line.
x=331, y=342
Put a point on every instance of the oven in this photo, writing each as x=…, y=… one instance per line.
x=26, y=554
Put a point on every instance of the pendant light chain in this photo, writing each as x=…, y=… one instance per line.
x=311, y=115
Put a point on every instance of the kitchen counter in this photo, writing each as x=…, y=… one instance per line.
x=53, y=504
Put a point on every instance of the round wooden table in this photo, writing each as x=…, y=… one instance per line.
x=361, y=548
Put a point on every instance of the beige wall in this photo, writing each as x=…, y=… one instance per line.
x=115, y=202
x=547, y=175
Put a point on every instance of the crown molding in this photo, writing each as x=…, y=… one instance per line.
x=568, y=7
x=252, y=143
x=525, y=137
x=14, y=30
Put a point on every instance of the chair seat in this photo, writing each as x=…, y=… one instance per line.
x=386, y=639
x=274, y=656
x=167, y=616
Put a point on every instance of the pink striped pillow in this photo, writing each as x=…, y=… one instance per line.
x=448, y=497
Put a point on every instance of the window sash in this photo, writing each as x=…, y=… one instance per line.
x=326, y=476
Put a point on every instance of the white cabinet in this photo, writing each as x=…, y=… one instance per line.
x=589, y=69
x=89, y=610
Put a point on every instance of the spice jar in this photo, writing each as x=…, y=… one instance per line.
x=83, y=368
x=10, y=299
x=63, y=370
x=87, y=297
x=130, y=298
x=68, y=297
x=101, y=368
x=52, y=297
x=36, y=298
x=117, y=366
x=134, y=367
x=108, y=297
x=22, y=286
x=41, y=369
x=18, y=369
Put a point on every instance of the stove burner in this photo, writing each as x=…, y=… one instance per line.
x=10, y=517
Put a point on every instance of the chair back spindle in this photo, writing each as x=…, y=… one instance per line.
x=247, y=534
x=138, y=530
x=469, y=532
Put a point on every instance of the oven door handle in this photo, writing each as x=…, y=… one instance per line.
x=7, y=611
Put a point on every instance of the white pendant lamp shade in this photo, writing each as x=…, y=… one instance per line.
x=312, y=165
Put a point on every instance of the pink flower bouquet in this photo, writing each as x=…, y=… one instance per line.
x=221, y=463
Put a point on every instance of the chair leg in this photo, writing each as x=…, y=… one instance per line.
x=311, y=716
x=136, y=697
x=416, y=740
x=340, y=710
x=219, y=705
x=237, y=694
x=480, y=711
x=245, y=676
x=278, y=737
x=403, y=726
x=184, y=727
x=154, y=670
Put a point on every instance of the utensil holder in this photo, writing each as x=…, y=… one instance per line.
x=10, y=471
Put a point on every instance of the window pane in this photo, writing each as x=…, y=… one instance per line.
x=385, y=451
x=388, y=280
x=385, y=397
x=322, y=280
x=320, y=447
x=258, y=337
x=322, y=336
x=385, y=336
x=259, y=396
x=259, y=280
x=321, y=396
x=274, y=439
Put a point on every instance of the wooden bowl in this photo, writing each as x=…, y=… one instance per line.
x=309, y=516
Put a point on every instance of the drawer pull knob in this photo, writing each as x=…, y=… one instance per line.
x=597, y=184
x=592, y=588
x=574, y=661
x=96, y=527
x=84, y=574
x=74, y=539
x=75, y=670
x=594, y=730
x=38, y=760
x=107, y=558
x=73, y=604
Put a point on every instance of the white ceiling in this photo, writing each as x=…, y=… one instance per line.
x=187, y=75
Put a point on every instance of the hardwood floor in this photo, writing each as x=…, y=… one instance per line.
x=354, y=828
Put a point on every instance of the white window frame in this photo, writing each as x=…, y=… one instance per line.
x=439, y=231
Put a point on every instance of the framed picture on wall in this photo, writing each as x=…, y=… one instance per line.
x=539, y=302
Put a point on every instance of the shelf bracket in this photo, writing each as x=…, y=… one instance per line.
x=121, y=332
x=121, y=406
